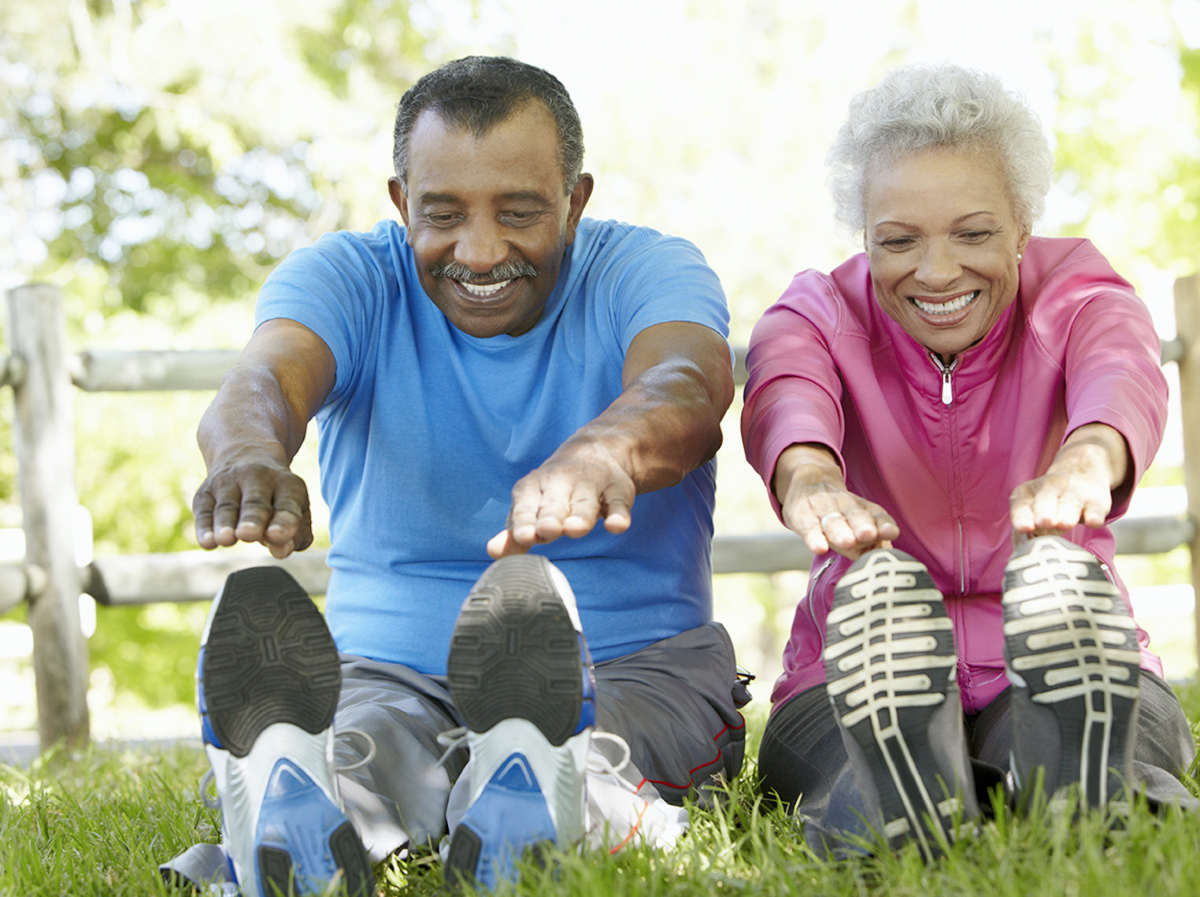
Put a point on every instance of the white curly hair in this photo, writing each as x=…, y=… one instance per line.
x=939, y=106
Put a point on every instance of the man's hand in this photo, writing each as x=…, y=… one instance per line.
x=251, y=432
x=577, y=487
x=253, y=502
x=818, y=507
x=677, y=382
x=1077, y=488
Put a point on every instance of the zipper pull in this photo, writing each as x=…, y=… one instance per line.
x=946, y=371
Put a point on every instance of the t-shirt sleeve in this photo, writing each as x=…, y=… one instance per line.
x=655, y=279
x=332, y=288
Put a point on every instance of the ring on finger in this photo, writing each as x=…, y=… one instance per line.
x=832, y=515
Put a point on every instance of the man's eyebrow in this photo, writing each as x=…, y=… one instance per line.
x=525, y=196
x=426, y=199
x=535, y=196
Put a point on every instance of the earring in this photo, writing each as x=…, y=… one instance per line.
x=1020, y=255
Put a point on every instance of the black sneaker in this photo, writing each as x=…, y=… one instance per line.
x=1071, y=651
x=890, y=669
x=267, y=687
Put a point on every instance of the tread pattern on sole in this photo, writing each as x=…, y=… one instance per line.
x=277, y=872
x=516, y=653
x=269, y=658
x=1069, y=637
x=889, y=660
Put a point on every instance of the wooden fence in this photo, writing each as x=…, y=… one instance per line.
x=43, y=374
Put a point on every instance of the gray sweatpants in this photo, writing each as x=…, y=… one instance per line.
x=674, y=702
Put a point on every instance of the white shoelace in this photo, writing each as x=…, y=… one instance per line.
x=597, y=762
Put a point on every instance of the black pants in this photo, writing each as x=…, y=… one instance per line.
x=802, y=758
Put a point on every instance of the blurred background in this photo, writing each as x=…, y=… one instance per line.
x=159, y=157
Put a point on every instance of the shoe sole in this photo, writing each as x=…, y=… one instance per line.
x=515, y=652
x=1070, y=638
x=268, y=658
x=889, y=660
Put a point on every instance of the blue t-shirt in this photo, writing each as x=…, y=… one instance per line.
x=427, y=429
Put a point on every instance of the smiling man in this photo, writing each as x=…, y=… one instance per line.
x=494, y=375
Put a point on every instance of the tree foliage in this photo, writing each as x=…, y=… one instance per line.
x=1128, y=146
x=135, y=155
x=156, y=160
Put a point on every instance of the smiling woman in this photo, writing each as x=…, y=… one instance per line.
x=958, y=389
x=943, y=242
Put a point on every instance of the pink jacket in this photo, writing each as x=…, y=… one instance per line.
x=942, y=453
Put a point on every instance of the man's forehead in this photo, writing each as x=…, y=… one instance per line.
x=531, y=114
x=513, y=156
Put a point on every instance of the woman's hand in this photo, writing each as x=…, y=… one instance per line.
x=1077, y=488
x=817, y=506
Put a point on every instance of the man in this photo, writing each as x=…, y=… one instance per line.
x=495, y=375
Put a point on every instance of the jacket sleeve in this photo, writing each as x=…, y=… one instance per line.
x=793, y=393
x=1111, y=359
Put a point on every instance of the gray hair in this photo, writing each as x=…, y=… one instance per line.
x=939, y=106
x=479, y=92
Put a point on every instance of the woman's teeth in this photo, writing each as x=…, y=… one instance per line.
x=946, y=308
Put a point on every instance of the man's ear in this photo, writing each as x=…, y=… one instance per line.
x=579, y=199
x=399, y=197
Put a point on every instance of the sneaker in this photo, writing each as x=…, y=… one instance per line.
x=521, y=677
x=1071, y=653
x=267, y=687
x=890, y=671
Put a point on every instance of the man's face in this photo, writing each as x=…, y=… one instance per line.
x=488, y=219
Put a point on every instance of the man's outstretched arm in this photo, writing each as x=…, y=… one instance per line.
x=677, y=384
x=250, y=434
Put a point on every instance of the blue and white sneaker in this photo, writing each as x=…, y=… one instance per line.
x=267, y=685
x=521, y=677
x=1071, y=653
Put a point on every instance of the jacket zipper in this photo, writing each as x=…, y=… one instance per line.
x=947, y=372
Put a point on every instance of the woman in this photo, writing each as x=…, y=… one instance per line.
x=959, y=388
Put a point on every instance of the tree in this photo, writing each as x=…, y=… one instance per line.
x=156, y=160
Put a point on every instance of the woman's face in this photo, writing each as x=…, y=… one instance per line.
x=943, y=245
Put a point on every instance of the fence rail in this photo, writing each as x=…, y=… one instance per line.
x=41, y=374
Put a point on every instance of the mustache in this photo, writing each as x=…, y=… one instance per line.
x=505, y=271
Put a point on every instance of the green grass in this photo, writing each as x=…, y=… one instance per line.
x=99, y=823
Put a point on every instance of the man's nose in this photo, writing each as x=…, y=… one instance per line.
x=481, y=246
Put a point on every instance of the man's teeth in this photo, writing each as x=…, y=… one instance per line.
x=484, y=290
x=946, y=308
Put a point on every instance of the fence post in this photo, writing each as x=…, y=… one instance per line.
x=44, y=433
x=1187, y=327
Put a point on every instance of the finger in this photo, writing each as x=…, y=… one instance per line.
x=523, y=515
x=227, y=506
x=202, y=510
x=554, y=509
x=279, y=550
x=503, y=544
x=871, y=524
x=583, y=514
x=1020, y=511
x=1068, y=513
x=618, y=513
x=1095, y=511
x=291, y=520
x=256, y=511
